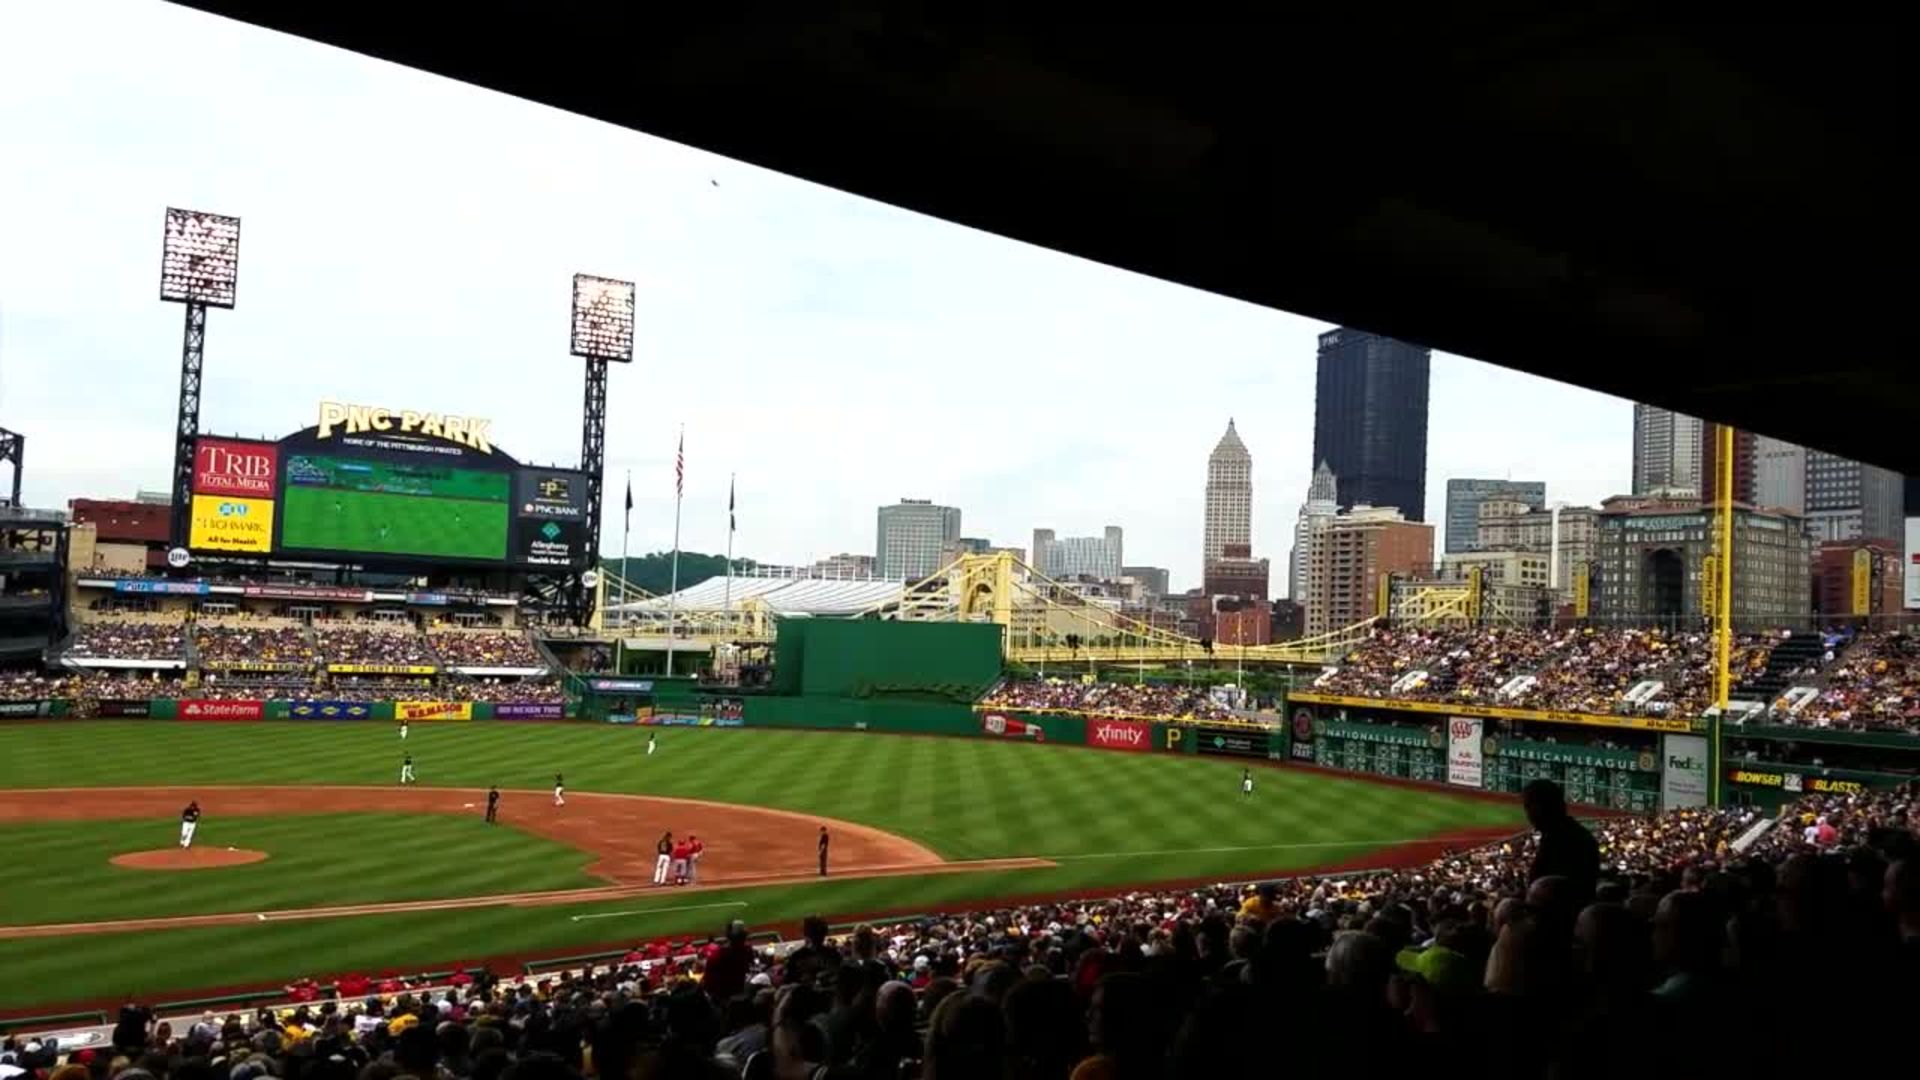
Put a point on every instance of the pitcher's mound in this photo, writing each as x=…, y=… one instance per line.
x=195, y=858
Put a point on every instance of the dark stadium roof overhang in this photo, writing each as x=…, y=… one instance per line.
x=1698, y=216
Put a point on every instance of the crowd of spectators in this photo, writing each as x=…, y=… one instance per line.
x=527, y=691
x=1628, y=950
x=1873, y=685
x=486, y=648
x=244, y=642
x=1137, y=701
x=129, y=639
x=366, y=645
x=1577, y=669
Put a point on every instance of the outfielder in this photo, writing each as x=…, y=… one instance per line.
x=189, y=821
x=663, y=858
x=1246, y=782
x=403, y=731
x=650, y=737
x=406, y=769
x=559, y=791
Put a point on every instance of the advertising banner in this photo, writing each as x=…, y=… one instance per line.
x=382, y=669
x=1684, y=780
x=551, y=543
x=551, y=494
x=529, y=710
x=166, y=588
x=330, y=710
x=1302, y=746
x=257, y=666
x=1912, y=581
x=681, y=718
x=1233, y=742
x=622, y=686
x=225, y=524
x=202, y=709
x=1862, y=591
x=428, y=599
x=624, y=718
x=307, y=592
x=1465, y=767
x=433, y=710
x=1795, y=782
x=1119, y=734
x=238, y=470
x=1011, y=727
x=126, y=708
x=14, y=710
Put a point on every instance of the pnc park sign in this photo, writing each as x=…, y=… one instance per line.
x=340, y=419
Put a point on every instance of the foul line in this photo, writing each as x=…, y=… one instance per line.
x=1304, y=846
x=657, y=910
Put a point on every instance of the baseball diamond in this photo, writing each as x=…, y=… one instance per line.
x=360, y=872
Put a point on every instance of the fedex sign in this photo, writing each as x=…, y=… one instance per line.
x=246, y=470
x=1119, y=734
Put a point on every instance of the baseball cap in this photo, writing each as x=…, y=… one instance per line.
x=1442, y=968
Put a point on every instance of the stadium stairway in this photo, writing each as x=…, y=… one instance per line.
x=1789, y=655
x=546, y=655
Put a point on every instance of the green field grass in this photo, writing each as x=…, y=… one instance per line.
x=314, y=860
x=1108, y=819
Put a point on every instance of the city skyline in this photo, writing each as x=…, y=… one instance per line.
x=776, y=319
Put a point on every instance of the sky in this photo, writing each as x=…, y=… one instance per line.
x=409, y=241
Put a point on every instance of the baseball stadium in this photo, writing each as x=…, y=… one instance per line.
x=353, y=756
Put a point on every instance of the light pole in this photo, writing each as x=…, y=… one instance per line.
x=602, y=332
x=199, y=268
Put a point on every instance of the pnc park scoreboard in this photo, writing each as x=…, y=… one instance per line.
x=383, y=486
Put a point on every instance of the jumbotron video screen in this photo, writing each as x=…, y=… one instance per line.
x=395, y=508
x=423, y=489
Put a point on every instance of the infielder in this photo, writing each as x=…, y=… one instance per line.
x=559, y=791
x=406, y=769
x=1246, y=782
x=189, y=821
x=663, y=858
x=493, y=804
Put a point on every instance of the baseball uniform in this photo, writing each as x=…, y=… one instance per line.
x=663, y=859
x=189, y=822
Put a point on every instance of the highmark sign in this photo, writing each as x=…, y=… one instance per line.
x=1550, y=716
x=472, y=432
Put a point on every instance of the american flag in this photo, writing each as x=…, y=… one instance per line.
x=680, y=468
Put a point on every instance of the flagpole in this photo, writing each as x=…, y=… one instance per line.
x=727, y=604
x=673, y=587
x=620, y=639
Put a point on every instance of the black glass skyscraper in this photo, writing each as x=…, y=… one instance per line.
x=1370, y=419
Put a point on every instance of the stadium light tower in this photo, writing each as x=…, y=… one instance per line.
x=602, y=332
x=199, y=268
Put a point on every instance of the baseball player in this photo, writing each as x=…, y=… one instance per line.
x=406, y=769
x=663, y=858
x=403, y=731
x=1246, y=782
x=559, y=791
x=682, y=852
x=650, y=738
x=189, y=821
x=823, y=851
x=493, y=804
x=695, y=848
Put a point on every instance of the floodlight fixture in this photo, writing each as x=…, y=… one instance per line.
x=602, y=318
x=200, y=258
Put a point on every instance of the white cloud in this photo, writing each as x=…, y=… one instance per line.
x=409, y=241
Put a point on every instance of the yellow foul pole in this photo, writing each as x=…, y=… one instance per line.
x=1723, y=592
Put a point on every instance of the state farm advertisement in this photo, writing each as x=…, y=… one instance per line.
x=1464, y=764
x=1119, y=734
x=200, y=709
x=244, y=470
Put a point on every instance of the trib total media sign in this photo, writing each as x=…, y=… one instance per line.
x=233, y=485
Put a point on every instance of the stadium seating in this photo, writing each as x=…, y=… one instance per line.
x=129, y=638
x=1143, y=701
x=270, y=641
x=349, y=644
x=486, y=648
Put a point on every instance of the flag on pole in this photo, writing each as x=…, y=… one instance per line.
x=730, y=522
x=629, y=499
x=680, y=467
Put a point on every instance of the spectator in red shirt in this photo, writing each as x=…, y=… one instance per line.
x=353, y=986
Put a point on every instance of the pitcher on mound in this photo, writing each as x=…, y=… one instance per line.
x=189, y=821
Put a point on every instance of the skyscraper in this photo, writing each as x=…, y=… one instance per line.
x=1370, y=419
x=1322, y=503
x=1229, y=497
x=1464, y=497
x=1064, y=557
x=1850, y=500
x=1666, y=451
x=911, y=535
